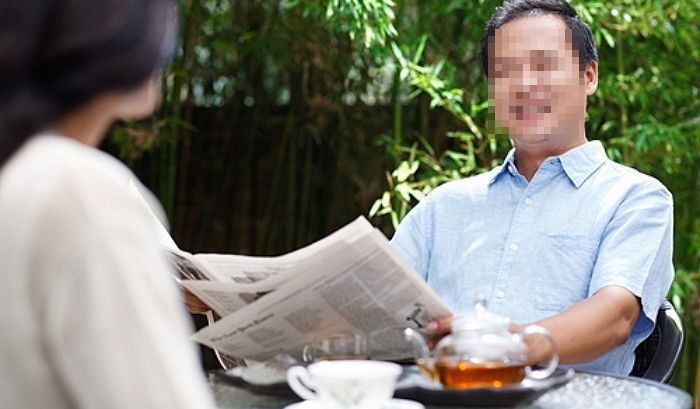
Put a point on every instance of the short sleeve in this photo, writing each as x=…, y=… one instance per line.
x=636, y=249
x=413, y=237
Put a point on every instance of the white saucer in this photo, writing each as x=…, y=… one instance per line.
x=392, y=404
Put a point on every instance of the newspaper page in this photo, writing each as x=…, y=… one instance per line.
x=228, y=282
x=358, y=284
x=253, y=269
x=227, y=297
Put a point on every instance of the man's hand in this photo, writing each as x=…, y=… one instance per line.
x=442, y=326
x=581, y=333
x=439, y=327
x=194, y=304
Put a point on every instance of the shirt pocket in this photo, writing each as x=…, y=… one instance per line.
x=564, y=270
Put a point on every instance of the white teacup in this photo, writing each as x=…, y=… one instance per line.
x=345, y=384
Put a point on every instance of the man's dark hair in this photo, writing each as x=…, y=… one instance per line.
x=56, y=55
x=581, y=35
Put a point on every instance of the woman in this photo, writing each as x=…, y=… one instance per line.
x=91, y=318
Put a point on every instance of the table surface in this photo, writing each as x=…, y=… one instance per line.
x=585, y=391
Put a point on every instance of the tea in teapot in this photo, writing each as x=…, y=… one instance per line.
x=463, y=375
x=480, y=352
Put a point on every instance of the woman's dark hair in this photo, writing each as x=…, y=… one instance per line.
x=581, y=35
x=56, y=55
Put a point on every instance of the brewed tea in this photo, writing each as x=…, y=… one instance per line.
x=464, y=375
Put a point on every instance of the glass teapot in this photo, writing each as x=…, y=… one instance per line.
x=480, y=352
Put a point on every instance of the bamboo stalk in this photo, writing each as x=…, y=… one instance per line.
x=397, y=107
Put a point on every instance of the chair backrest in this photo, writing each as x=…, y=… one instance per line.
x=657, y=356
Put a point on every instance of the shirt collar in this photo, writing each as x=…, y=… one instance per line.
x=507, y=166
x=578, y=163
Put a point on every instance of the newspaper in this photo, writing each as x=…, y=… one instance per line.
x=248, y=269
x=352, y=280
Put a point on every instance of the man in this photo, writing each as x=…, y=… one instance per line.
x=559, y=235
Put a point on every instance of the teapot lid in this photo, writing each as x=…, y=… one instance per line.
x=481, y=319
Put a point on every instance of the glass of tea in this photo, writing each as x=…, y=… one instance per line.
x=481, y=352
x=337, y=346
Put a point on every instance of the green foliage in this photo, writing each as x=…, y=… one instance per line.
x=333, y=76
x=368, y=22
x=270, y=105
x=646, y=110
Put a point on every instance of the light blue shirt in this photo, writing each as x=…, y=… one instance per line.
x=534, y=249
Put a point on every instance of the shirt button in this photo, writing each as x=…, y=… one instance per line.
x=528, y=201
x=500, y=294
x=513, y=246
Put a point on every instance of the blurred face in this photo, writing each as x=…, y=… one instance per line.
x=89, y=122
x=140, y=102
x=535, y=83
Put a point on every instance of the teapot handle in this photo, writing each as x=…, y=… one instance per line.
x=420, y=347
x=553, y=361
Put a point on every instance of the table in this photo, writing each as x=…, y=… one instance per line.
x=587, y=390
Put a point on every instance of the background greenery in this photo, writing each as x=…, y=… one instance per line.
x=283, y=120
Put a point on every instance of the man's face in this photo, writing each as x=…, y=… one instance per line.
x=536, y=84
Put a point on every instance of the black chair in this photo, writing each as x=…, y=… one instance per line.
x=657, y=356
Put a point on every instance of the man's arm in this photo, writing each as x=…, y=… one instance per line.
x=633, y=272
x=583, y=332
x=589, y=328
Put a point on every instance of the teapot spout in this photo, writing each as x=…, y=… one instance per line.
x=420, y=347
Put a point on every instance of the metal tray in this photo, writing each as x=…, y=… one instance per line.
x=413, y=385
